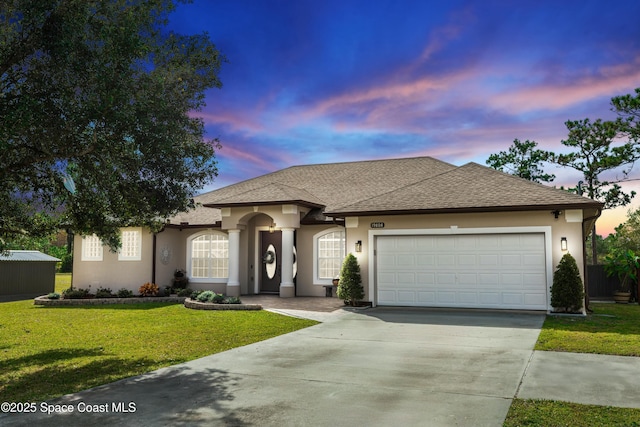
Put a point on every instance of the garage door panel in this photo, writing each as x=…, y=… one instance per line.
x=445, y=278
x=446, y=260
x=490, y=298
x=468, y=260
x=512, y=298
x=426, y=297
x=533, y=260
x=489, y=260
x=466, y=279
x=406, y=261
x=468, y=297
x=444, y=244
x=406, y=279
x=426, y=278
x=492, y=271
x=425, y=261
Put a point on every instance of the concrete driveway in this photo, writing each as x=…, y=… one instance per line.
x=374, y=367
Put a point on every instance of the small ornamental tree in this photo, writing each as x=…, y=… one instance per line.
x=350, y=288
x=567, y=291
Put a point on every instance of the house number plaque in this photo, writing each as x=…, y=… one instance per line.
x=377, y=225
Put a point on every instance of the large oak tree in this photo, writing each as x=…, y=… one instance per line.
x=97, y=124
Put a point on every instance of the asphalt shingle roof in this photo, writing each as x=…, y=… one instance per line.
x=471, y=187
x=418, y=184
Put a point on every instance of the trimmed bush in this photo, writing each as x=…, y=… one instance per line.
x=350, y=288
x=567, y=291
x=104, y=293
x=124, y=293
x=53, y=295
x=75, y=293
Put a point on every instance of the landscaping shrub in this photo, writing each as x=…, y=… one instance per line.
x=350, y=288
x=567, y=291
x=148, y=290
x=75, y=293
x=205, y=296
x=232, y=300
x=53, y=295
x=124, y=293
x=195, y=294
x=184, y=292
x=218, y=298
x=104, y=293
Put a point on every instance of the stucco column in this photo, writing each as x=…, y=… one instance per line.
x=233, y=284
x=287, y=289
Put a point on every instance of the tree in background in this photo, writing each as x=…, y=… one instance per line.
x=628, y=107
x=594, y=154
x=523, y=159
x=627, y=234
x=96, y=100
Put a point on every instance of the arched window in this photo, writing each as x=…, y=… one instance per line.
x=208, y=256
x=329, y=250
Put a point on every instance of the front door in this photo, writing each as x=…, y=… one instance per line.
x=270, y=250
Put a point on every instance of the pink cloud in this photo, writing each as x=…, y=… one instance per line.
x=610, y=81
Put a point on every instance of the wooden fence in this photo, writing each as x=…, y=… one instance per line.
x=600, y=285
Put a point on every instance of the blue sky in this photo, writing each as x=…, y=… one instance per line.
x=326, y=81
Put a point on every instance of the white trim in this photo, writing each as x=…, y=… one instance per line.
x=458, y=231
x=316, y=279
x=190, y=238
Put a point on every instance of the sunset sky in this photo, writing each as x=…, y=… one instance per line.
x=342, y=80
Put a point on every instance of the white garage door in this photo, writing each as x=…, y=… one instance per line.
x=480, y=270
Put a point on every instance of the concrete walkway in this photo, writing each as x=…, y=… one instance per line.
x=375, y=367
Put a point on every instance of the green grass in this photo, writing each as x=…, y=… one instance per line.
x=610, y=329
x=555, y=414
x=46, y=352
x=63, y=281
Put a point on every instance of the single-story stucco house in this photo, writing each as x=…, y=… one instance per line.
x=425, y=233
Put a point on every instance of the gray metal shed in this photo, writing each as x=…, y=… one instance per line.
x=26, y=274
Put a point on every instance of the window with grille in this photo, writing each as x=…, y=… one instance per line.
x=131, y=239
x=210, y=256
x=330, y=252
x=91, y=248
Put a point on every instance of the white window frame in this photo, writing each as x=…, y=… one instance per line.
x=189, y=265
x=126, y=252
x=316, y=253
x=91, y=248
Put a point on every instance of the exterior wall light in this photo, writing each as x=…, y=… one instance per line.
x=359, y=246
x=563, y=243
x=272, y=227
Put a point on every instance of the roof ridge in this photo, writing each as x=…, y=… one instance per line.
x=401, y=187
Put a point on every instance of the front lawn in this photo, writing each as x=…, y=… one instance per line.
x=611, y=329
x=551, y=414
x=47, y=352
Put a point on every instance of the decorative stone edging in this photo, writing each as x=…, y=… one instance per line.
x=43, y=300
x=188, y=303
x=197, y=305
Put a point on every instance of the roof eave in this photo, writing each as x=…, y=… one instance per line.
x=304, y=203
x=480, y=209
